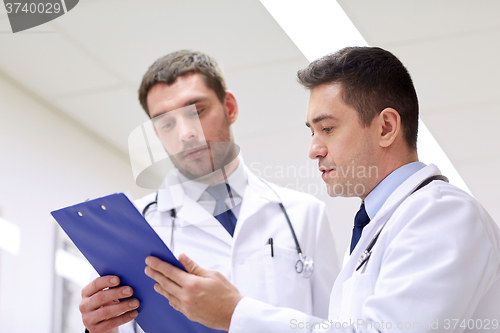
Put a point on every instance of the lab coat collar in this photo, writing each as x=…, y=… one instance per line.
x=192, y=213
x=388, y=208
x=257, y=195
x=376, y=198
x=407, y=188
x=238, y=180
x=384, y=214
x=261, y=188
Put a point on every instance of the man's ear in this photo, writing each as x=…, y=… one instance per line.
x=232, y=107
x=389, y=121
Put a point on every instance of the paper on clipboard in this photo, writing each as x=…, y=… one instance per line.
x=116, y=239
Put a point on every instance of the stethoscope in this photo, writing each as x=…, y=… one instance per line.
x=365, y=256
x=304, y=266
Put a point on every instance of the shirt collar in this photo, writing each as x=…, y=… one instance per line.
x=192, y=188
x=238, y=180
x=378, y=196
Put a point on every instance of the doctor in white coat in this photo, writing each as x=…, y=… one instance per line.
x=185, y=95
x=424, y=255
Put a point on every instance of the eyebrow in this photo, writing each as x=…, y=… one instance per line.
x=195, y=100
x=188, y=103
x=320, y=118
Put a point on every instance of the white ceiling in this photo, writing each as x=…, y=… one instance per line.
x=87, y=65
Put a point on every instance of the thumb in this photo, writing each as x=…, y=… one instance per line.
x=191, y=266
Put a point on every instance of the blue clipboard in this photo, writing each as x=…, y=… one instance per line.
x=116, y=239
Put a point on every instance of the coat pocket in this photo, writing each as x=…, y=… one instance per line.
x=285, y=287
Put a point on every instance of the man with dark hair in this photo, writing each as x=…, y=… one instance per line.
x=424, y=255
x=372, y=80
x=214, y=208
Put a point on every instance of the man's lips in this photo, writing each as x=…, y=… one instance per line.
x=326, y=172
x=195, y=152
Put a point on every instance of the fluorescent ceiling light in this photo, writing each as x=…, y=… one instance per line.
x=73, y=268
x=10, y=236
x=319, y=27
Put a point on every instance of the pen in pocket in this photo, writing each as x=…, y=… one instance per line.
x=272, y=249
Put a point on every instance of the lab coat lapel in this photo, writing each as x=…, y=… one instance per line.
x=384, y=214
x=390, y=206
x=257, y=196
x=351, y=262
x=191, y=213
x=386, y=211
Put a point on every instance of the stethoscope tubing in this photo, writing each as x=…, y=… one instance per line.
x=365, y=256
x=303, y=264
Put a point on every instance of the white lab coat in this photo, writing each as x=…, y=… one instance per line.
x=245, y=259
x=436, y=262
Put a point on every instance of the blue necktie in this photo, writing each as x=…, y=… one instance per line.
x=224, y=215
x=360, y=221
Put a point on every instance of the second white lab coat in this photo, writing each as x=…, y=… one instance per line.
x=245, y=259
x=434, y=268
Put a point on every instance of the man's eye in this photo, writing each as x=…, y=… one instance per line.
x=327, y=129
x=198, y=112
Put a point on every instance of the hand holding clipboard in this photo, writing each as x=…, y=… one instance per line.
x=116, y=239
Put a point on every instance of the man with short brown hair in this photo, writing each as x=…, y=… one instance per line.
x=214, y=208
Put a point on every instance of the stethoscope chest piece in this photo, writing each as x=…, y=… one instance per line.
x=304, y=266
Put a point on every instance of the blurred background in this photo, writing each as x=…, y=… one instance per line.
x=68, y=101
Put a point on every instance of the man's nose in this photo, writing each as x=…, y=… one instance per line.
x=317, y=149
x=187, y=130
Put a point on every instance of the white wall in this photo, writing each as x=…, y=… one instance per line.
x=46, y=163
